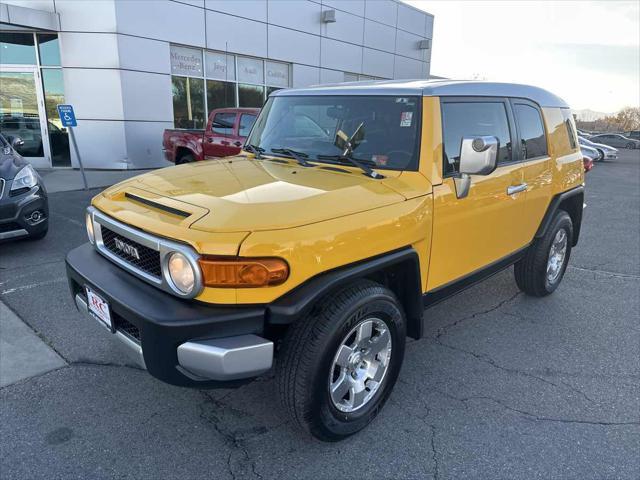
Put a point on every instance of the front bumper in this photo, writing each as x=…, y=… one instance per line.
x=16, y=212
x=181, y=342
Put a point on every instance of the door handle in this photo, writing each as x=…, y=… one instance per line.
x=238, y=144
x=513, y=189
x=210, y=140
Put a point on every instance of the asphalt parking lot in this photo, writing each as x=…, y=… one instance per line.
x=502, y=386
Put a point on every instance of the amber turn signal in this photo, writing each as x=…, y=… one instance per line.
x=236, y=272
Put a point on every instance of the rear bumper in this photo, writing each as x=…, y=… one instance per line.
x=180, y=342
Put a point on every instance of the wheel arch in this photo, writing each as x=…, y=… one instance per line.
x=399, y=271
x=572, y=202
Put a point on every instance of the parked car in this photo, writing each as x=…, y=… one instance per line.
x=227, y=129
x=635, y=134
x=591, y=153
x=24, y=208
x=584, y=134
x=615, y=140
x=323, y=245
x=605, y=152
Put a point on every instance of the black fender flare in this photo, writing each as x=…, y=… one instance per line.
x=401, y=266
x=572, y=201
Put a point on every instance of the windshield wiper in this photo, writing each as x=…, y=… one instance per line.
x=257, y=151
x=297, y=156
x=368, y=171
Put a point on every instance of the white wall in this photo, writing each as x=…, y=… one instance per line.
x=115, y=56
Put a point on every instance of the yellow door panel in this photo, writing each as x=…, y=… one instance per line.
x=473, y=232
x=538, y=177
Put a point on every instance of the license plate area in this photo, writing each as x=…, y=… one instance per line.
x=99, y=308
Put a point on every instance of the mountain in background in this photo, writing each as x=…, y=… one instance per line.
x=587, y=115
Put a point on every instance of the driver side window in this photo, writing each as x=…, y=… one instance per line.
x=460, y=119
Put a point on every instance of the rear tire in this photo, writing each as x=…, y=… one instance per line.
x=631, y=145
x=329, y=352
x=187, y=158
x=541, y=270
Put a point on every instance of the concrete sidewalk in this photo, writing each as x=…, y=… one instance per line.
x=64, y=180
x=22, y=353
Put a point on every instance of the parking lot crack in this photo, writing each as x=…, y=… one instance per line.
x=606, y=273
x=234, y=440
x=539, y=418
x=444, y=330
x=490, y=361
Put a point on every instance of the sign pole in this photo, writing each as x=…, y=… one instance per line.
x=68, y=119
x=75, y=148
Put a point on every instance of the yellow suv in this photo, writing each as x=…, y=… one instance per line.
x=350, y=210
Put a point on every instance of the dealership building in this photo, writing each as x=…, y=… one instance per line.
x=132, y=68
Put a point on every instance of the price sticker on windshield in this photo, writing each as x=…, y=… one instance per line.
x=406, y=119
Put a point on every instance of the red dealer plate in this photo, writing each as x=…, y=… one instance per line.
x=99, y=308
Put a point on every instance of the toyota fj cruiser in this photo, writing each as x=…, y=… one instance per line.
x=350, y=210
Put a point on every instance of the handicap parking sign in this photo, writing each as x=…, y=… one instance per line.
x=67, y=116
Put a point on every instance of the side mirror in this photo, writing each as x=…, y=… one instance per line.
x=478, y=156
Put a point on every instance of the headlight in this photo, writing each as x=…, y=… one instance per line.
x=181, y=273
x=26, y=178
x=89, y=223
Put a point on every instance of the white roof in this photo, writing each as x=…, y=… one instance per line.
x=432, y=88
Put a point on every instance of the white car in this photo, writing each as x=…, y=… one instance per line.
x=606, y=152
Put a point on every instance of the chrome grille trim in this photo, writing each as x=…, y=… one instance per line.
x=162, y=245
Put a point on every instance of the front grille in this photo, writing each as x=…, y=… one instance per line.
x=149, y=261
x=9, y=227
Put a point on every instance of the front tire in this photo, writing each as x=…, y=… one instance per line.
x=338, y=366
x=631, y=145
x=542, y=268
x=602, y=156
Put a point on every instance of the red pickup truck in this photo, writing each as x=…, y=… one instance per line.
x=227, y=128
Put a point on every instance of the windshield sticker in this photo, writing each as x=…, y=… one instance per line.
x=405, y=119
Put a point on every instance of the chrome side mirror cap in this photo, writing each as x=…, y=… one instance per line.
x=478, y=156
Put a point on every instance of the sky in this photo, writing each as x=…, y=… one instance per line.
x=587, y=52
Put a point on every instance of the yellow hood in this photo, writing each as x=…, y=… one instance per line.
x=241, y=194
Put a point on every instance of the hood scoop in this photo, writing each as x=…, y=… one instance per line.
x=159, y=206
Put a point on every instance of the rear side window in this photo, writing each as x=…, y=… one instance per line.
x=223, y=123
x=571, y=129
x=534, y=142
x=462, y=119
x=246, y=122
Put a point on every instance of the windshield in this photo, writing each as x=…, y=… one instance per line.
x=308, y=124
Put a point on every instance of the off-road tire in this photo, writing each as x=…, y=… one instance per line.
x=531, y=270
x=308, y=351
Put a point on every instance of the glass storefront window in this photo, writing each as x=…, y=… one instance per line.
x=277, y=74
x=221, y=66
x=17, y=48
x=250, y=95
x=49, y=49
x=250, y=70
x=188, y=102
x=186, y=61
x=220, y=94
x=19, y=116
x=53, y=86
